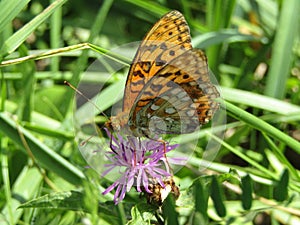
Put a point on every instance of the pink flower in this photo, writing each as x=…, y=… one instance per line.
x=140, y=163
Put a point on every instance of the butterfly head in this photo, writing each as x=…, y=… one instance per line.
x=117, y=123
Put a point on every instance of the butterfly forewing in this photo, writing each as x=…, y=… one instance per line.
x=167, y=39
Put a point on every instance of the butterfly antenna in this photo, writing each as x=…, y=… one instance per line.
x=86, y=140
x=86, y=98
x=90, y=101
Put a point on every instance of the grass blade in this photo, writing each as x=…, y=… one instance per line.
x=25, y=187
x=47, y=157
x=9, y=9
x=259, y=101
x=282, y=49
x=21, y=35
x=261, y=125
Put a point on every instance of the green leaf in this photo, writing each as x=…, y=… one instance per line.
x=148, y=6
x=218, y=37
x=70, y=200
x=169, y=213
x=26, y=186
x=286, y=34
x=48, y=158
x=201, y=203
x=82, y=61
x=247, y=190
x=28, y=82
x=261, y=125
x=22, y=34
x=9, y=9
x=217, y=197
x=259, y=101
x=281, y=189
x=218, y=17
x=142, y=214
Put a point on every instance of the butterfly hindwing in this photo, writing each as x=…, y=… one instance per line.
x=178, y=99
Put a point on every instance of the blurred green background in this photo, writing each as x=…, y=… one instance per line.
x=253, y=50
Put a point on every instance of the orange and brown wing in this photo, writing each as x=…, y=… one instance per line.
x=179, y=99
x=166, y=40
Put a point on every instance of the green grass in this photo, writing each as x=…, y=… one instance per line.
x=251, y=169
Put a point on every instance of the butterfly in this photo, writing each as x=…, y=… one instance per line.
x=168, y=90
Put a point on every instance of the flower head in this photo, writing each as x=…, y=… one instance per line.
x=140, y=162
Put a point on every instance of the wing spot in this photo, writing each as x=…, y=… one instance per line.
x=168, y=119
x=172, y=52
x=160, y=63
x=151, y=48
x=154, y=107
x=170, y=111
x=190, y=113
x=165, y=74
x=185, y=99
x=156, y=87
x=138, y=73
x=163, y=46
x=181, y=95
x=146, y=66
x=172, y=84
x=186, y=76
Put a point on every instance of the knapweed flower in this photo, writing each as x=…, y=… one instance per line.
x=139, y=163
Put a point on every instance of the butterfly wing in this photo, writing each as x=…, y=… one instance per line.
x=167, y=39
x=178, y=99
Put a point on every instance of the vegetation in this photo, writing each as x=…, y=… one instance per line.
x=244, y=170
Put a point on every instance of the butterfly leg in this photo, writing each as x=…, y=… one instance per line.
x=169, y=168
x=111, y=144
x=134, y=149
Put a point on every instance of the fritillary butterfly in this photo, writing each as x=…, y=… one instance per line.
x=168, y=90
